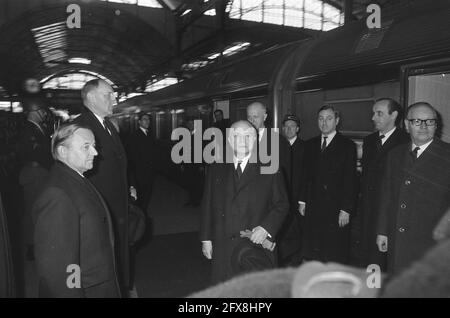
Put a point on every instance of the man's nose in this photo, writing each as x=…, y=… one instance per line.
x=423, y=125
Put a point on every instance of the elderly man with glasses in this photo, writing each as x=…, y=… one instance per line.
x=415, y=190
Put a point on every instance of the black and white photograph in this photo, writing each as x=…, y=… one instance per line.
x=224, y=153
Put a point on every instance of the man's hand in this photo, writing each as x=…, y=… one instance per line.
x=344, y=218
x=301, y=208
x=133, y=192
x=382, y=243
x=207, y=249
x=259, y=234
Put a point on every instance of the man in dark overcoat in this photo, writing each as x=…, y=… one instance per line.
x=239, y=197
x=386, y=116
x=329, y=193
x=415, y=191
x=290, y=235
x=109, y=174
x=74, y=239
x=142, y=157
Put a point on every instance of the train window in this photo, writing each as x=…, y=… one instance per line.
x=433, y=88
x=8, y=106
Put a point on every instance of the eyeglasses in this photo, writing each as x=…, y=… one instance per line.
x=419, y=122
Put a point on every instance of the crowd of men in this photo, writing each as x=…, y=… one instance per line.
x=78, y=189
x=307, y=209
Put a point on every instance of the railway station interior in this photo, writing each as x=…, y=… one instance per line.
x=198, y=64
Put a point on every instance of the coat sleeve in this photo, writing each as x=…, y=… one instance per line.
x=279, y=206
x=57, y=243
x=349, y=183
x=206, y=207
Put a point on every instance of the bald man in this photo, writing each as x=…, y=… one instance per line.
x=257, y=116
x=415, y=190
x=239, y=197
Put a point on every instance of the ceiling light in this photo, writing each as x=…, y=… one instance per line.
x=79, y=60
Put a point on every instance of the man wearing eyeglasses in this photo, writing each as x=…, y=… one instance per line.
x=239, y=197
x=415, y=190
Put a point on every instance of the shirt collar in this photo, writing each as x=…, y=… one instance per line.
x=145, y=131
x=243, y=161
x=100, y=119
x=387, y=135
x=292, y=140
x=421, y=148
x=329, y=137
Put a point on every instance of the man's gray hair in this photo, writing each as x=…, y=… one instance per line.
x=89, y=86
x=62, y=134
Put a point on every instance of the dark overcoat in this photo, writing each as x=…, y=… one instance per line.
x=109, y=176
x=373, y=161
x=228, y=208
x=142, y=161
x=414, y=197
x=290, y=235
x=330, y=187
x=73, y=227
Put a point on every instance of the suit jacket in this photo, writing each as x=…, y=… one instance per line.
x=109, y=176
x=142, y=154
x=373, y=162
x=228, y=208
x=73, y=226
x=265, y=149
x=330, y=187
x=414, y=196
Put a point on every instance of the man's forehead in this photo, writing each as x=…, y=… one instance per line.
x=326, y=112
x=84, y=135
x=290, y=123
x=242, y=130
x=380, y=106
x=421, y=111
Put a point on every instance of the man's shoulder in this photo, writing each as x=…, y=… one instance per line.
x=441, y=148
x=88, y=119
x=345, y=141
x=399, y=150
x=371, y=137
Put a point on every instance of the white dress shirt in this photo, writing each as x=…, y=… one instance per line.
x=421, y=148
x=386, y=135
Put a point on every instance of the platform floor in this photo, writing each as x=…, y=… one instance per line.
x=171, y=263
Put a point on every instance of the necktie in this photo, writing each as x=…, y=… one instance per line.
x=415, y=152
x=239, y=170
x=324, y=143
x=105, y=124
x=380, y=141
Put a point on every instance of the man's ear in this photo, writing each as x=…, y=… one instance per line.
x=337, y=121
x=90, y=97
x=265, y=117
x=62, y=151
x=395, y=114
